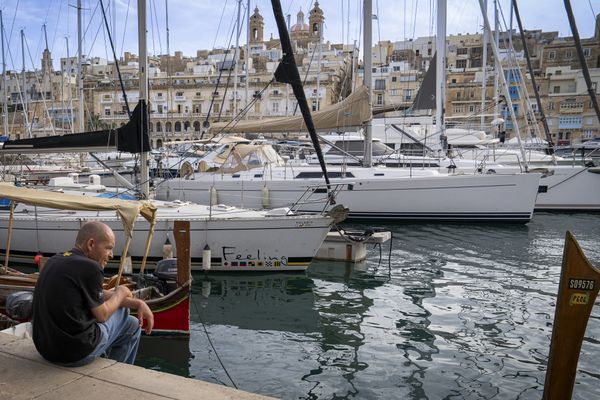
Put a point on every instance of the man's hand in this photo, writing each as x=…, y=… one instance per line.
x=144, y=313
x=124, y=291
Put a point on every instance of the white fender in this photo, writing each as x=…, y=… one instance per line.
x=265, y=196
x=206, y=255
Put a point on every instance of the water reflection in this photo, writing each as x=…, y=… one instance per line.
x=459, y=312
x=170, y=355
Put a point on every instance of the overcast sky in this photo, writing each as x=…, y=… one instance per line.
x=203, y=24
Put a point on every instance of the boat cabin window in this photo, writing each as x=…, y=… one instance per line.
x=312, y=175
x=235, y=175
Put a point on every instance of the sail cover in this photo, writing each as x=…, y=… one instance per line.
x=128, y=210
x=352, y=112
x=128, y=138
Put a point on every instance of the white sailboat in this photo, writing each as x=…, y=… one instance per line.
x=368, y=192
x=222, y=238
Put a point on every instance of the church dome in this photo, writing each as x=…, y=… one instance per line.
x=300, y=25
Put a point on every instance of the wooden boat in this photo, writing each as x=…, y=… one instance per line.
x=577, y=291
x=171, y=309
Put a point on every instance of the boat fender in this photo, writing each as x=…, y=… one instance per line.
x=212, y=192
x=265, y=196
x=206, y=256
x=167, y=250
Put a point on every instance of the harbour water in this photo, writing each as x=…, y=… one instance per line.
x=460, y=312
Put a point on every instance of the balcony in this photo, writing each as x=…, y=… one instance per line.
x=180, y=98
x=106, y=100
x=571, y=108
x=159, y=99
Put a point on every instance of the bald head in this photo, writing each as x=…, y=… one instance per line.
x=96, y=240
x=92, y=230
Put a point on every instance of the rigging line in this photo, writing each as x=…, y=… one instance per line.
x=212, y=99
x=125, y=27
x=116, y=60
x=12, y=25
x=219, y=25
x=89, y=25
x=235, y=120
x=152, y=29
x=157, y=27
x=35, y=73
x=415, y=19
x=230, y=70
x=212, y=345
x=56, y=26
x=591, y=8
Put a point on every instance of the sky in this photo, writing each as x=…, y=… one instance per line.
x=203, y=24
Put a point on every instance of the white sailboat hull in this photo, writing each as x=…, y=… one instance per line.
x=380, y=193
x=239, y=240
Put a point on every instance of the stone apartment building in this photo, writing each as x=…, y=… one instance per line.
x=187, y=92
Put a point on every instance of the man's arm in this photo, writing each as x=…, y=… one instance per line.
x=143, y=311
x=112, y=302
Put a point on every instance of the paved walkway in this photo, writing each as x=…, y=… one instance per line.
x=24, y=374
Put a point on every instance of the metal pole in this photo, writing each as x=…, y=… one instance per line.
x=70, y=88
x=319, y=65
x=248, y=33
x=497, y=44
x=4, y=95
x=80, y=111
x=484, y=70
x=368, y=75
x=440, y=59
x=236, y=56
x=143, y=63
x=24, y=87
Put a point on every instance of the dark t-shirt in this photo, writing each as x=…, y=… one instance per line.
x=68, y=288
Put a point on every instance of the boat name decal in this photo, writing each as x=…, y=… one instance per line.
x=579, y=299
x=234, y=259
x=582, y=284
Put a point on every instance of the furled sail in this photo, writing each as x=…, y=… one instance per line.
x=128, y=138
x=348, y=114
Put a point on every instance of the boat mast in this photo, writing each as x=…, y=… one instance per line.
x=247, y=58
x=368, y=74
x=4, y=98
x=533, y=83
x=236, y=56
x=143, y=63
x=23, y=88
x=584, y=67
x=497, y=44
x=80, y=111
x=502, y=80
x=319, y=55
x=440, y=49
x=484, y=70
x=70, y=89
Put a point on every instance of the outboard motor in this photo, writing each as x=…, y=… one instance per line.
x=166, y=269
x=19, y=305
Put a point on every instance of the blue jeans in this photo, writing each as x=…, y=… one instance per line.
x=119, y=339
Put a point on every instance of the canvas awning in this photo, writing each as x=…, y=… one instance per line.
x=128, y=210
x=354, y=111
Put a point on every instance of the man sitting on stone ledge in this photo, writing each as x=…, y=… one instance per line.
x=75, y=321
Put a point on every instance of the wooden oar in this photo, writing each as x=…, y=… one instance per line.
x=577, y=291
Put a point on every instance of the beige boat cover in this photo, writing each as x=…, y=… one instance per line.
x=128, y=210
x=351, y=112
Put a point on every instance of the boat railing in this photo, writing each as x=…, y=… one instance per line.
x=318, y=194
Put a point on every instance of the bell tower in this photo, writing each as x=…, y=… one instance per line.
x=256, y=27
x=315, y=22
